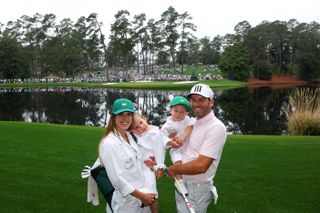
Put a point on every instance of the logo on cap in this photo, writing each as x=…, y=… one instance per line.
x=122, y=105
x=202, y=89
x=197, y=88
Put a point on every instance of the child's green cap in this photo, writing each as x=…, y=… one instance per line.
x=179, y=100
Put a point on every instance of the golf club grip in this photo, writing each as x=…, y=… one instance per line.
x=189, y=205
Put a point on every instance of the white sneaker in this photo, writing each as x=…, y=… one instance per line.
x=180, y=187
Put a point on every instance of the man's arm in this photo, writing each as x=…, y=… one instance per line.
x=197, y=166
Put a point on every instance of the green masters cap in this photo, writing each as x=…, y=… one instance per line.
x=122, y=105
x=179, y=100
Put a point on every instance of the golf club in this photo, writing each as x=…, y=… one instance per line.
x=85, y=173
x=186, y=199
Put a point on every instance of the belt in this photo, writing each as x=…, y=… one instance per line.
x=197, y=182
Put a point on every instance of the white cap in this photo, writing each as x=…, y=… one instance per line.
x=203, y=90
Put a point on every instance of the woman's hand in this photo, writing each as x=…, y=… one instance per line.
x=148, y=198
x=145, y=197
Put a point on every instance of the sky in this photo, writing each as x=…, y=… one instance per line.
x=212, y=17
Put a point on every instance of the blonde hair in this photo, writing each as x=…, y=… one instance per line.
x=139, y=116
x=111, y=127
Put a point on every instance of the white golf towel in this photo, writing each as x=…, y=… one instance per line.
x=92, y=191
x=215, y=194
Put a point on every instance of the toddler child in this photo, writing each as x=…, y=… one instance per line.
x=152, y=143
x=178, y=126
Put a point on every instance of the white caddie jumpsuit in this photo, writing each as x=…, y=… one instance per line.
x=123, y=164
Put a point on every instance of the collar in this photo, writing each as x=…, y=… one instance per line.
x=206, y=118
x=170, y=119
x=152, y=130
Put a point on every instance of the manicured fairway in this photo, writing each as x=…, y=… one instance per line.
x=151, y=85
x=40, y=171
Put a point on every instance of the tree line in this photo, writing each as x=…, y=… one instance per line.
x=36, y=46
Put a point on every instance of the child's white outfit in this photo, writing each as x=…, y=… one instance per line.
x=152, y=143
x=178, y=127
x=170, y=127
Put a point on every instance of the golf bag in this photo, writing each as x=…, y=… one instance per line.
x=100, y=175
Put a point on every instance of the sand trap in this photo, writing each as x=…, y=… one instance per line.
x=108, y=83
x=185, y=82
x=142, y=81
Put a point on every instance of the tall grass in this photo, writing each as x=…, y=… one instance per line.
x=303, y=112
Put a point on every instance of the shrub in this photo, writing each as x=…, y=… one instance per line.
x=304, y=123
x=303, y=112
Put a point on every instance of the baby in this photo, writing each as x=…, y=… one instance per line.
x=178, y=127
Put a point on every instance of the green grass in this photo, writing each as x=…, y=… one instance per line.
x=41, y=163
x=162, y=85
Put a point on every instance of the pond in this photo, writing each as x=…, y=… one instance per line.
x=243, y=110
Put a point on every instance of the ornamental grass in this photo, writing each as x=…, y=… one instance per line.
x=303, y=112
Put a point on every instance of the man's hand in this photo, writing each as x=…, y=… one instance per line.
x=171, y=171
x=159, y=173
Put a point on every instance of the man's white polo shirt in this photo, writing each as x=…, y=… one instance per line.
x=207, y=138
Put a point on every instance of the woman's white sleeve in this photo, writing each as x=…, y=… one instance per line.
x=110, y=156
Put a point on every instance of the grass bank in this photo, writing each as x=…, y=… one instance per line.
x=154, y=85
x=41, y=164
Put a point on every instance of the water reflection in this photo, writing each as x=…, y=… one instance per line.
x=244, y=111
x=256, y=111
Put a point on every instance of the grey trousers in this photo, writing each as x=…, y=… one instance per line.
x=200, y=196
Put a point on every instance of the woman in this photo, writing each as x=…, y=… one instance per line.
x=120, y=155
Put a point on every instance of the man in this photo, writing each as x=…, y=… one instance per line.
x=201, y=152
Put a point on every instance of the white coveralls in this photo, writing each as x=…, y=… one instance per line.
x=123, y=164
x=178, y=127
x=152, y=143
